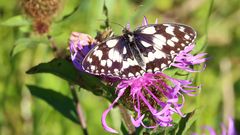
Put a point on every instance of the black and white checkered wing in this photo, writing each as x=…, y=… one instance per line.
x=160, y=43
x=112, y=58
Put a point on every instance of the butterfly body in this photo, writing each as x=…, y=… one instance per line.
x=150, y=48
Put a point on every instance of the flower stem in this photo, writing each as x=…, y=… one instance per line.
x=127, y=120
x=79, y=110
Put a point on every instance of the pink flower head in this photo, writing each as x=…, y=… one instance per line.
x=155, y=96
x=184, y=60
x=80, y=44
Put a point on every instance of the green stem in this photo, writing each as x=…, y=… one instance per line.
x=127, y=120
x=79, y=110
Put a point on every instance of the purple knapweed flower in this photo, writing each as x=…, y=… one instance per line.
x=79, y=45
x=230, y=130
x=153, y=97
x=156, y=96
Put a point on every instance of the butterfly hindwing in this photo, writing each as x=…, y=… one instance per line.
x=160, y=43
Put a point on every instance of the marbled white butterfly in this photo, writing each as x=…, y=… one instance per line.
x=151, y=48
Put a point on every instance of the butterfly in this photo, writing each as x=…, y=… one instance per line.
x=151, y=48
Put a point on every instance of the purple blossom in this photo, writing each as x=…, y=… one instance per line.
x=230, y=130
x=184, y=60
x=156, y=94
x=79, y=45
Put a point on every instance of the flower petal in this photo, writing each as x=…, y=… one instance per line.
x=105, y=113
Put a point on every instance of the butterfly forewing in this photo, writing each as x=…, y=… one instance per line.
x=112, y=58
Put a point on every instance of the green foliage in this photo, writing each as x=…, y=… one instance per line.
x=22, y=44
x=21, y=48
x=64, y=69
x=18, y=20
x=184, y=123
x=58, y=101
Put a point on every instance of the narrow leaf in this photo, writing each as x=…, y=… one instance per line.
x=123, y=129
x=22, y=44
x=59, y=102
x=184, y=123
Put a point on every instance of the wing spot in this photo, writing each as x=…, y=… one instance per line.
x=137, y=74
x=125, y=65
x=170, y=30
x=109, y=63
x=114, y=55
x=145, y=44
x=182, y=44
x=169, y=62
x=149, y=70
x=181, y=29
x=124, y=50
x=163, y=65
x=159, y=54
x=178, y=49
x=187, y=36
x=102, y=70
x=98, y=53
x=89, y=60
x=132, y=62
x=170, y=43
x=130, y=75
x=151, y=56
x=103, y=62
x=174, y=39
x=172, y=52
x=93, y=67
x=156, y=69
x=146, y=60
x=159, y=41
x=111, y=43
x=149, y=30
x=116, y=70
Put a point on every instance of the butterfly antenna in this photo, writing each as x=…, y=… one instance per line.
x=113, y=23
x=117, y=24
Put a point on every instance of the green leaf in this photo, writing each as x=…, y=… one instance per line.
x=65, y=69
x=123, y=129
x=59, y=102
x=16, y=21
x=22, y=44
x=185, y=123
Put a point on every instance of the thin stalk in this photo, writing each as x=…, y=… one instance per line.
x=79, y=110
x=127, y=120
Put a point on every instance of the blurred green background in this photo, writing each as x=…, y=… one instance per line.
x=217, y=23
